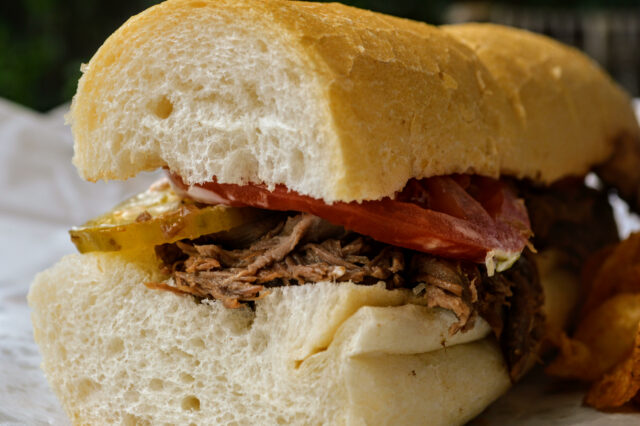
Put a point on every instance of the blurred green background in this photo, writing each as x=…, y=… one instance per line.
x=43, y=42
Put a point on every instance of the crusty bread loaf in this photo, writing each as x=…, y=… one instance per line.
x=335, y=102
x=339, y=104
x=116, y=352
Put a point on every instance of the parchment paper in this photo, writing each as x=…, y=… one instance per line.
x=41, y=197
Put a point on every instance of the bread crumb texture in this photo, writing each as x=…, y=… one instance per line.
x=117, y=352
x=336, y=102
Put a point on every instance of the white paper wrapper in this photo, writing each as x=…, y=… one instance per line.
x=41, y=197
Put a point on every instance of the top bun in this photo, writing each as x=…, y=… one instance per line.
x=335, y=102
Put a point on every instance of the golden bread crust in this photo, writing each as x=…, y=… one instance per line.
x=386, y=99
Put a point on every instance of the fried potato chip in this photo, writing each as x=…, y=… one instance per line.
x=605, y=348
x=610, y=329
x=575, y=359
x=603, y=339
x=618, y=273
x=619, y=386
x=591, y=267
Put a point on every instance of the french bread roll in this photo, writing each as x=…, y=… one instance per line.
x=335, y=102
x=117, y=352
x=339, y=104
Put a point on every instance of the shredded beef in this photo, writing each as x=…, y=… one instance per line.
x=510, y=302
x=523, y=324
x=447, y=285
x=570, y=217
x=294, y=251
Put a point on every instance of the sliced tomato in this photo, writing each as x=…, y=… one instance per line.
x=461, y=217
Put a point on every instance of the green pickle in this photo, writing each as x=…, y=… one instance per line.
x=154, y=217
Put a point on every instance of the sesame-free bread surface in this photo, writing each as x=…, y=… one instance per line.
x=336, y=102
x=116, y=352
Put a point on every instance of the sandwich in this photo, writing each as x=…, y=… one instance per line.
x=365, y=220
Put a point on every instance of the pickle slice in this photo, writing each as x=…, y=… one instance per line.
x=157, y=216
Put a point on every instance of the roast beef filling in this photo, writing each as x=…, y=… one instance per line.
x=237, y=266
x=571, y=218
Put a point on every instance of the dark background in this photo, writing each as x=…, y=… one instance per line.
x=43, y=42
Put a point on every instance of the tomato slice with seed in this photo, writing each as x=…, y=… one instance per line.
x=462, y=217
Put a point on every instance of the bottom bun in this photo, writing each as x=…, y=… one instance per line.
x=117, y=352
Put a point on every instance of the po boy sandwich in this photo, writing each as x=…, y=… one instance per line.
x=366, y=220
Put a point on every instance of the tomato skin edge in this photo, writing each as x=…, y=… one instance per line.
x=471, y=232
